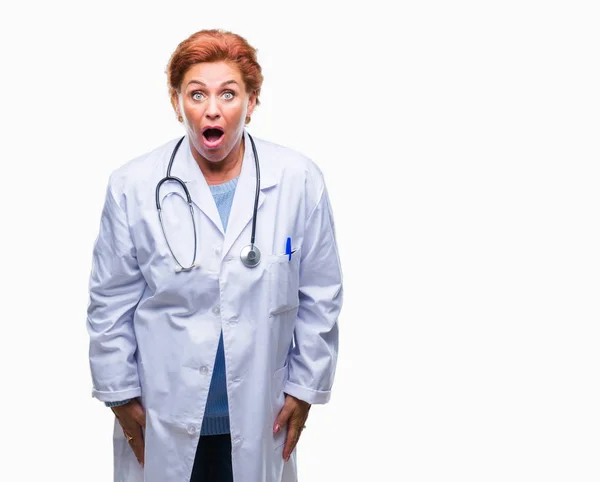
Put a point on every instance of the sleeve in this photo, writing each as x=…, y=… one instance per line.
x=116, y=286
x=312, y=360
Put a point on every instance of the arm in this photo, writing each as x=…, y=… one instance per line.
x=313, y=359
x=116, y=286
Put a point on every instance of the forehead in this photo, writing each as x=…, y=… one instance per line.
x=213, y=74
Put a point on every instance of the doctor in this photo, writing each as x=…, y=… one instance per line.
x=210, y=346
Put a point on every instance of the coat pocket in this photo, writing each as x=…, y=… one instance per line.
x=284, y=275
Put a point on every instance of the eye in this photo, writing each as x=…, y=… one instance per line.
x=196, y=95
x=229, y=93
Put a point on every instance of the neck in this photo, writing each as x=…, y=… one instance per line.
x=225, y=170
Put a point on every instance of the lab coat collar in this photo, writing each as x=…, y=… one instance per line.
x=243, y=201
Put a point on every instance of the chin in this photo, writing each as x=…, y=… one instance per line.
x=213, y=155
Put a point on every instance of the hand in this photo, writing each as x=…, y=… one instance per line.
x=294, y=413
x=132, y=418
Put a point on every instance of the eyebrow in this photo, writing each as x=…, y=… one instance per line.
x=227, y=82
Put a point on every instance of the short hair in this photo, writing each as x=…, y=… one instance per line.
x=214, y=45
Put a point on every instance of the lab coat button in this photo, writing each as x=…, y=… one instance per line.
x=204, y=370
x=216, y=310
x=191, y=429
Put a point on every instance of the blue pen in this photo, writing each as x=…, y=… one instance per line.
x=288, y=248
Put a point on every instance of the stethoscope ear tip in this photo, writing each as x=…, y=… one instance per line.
x=179, y=269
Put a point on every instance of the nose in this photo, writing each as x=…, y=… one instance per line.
x=212, y=109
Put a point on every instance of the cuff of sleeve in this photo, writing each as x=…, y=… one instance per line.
x=306, y=394
x=117, y=396
x=117, y=404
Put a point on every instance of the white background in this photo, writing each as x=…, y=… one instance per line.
x=459, y=143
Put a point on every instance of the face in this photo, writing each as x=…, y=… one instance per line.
x=214, y=104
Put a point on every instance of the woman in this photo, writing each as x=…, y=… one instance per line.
x=209, y=342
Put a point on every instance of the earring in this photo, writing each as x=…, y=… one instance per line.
x=247, y=119
x=180, y=119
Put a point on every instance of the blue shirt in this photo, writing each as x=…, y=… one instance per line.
x=216, y=414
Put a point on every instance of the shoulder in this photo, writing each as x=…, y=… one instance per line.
x=140, y=169
x=289, y=163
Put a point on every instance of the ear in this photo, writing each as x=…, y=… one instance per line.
x=175, y=103
x=251, y=104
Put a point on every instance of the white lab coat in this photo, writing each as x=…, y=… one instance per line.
x=154, y=332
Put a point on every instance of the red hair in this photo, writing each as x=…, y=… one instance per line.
x=213, y=46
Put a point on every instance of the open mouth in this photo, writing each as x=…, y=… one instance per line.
x=213, y=134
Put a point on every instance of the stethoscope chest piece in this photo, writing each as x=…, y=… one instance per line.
x=250, y=256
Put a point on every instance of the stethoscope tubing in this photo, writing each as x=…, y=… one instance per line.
x=168, y=178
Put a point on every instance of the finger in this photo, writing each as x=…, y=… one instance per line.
x=137, y=443
x=295, y=427
x=282, y=418
x=133, y=432
x=290, y=443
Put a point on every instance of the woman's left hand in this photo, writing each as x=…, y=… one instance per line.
x=294, y=413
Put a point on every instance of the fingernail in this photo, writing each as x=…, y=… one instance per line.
x=276, y=428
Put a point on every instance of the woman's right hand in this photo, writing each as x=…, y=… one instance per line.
x=132, y=418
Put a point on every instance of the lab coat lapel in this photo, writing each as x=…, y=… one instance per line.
x=242, y=208
x=198, y=187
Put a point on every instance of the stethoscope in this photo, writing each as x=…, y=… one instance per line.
x=250, y=255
